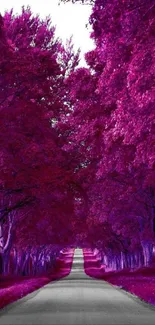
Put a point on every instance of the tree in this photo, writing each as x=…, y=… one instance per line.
x=111, y=124
x=34, y=172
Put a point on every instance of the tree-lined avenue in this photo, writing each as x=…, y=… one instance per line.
x=78, y=299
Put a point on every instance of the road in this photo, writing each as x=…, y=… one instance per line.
x=78, y=300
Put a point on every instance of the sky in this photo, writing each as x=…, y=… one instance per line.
x=69, y=19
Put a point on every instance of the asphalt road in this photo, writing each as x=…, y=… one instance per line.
x=78, y=300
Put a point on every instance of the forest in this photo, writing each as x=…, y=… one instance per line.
x=77, y=144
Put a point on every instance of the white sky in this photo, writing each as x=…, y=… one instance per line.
x=70, y=19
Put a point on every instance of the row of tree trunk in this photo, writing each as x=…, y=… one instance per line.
x=29, y=261
x=126, y=260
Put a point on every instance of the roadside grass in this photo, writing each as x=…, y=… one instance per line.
x=140, y=282
x=13, y=288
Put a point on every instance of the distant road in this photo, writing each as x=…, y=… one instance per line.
x=78, y=300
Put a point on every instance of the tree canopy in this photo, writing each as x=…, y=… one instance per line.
x=77, y=144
